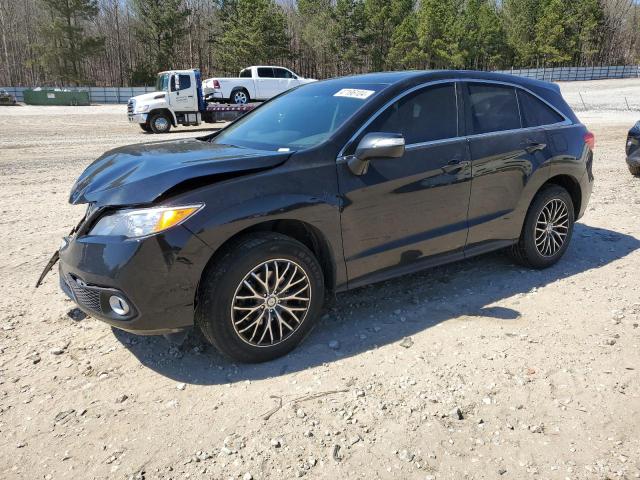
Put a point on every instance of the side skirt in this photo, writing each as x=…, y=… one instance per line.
x=426, y=263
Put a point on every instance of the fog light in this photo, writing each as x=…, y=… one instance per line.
x=118, y=305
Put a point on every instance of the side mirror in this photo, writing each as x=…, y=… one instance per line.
x=376, y=145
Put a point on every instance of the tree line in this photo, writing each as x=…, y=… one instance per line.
x=126, y=42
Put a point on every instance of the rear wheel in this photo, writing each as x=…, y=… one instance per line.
x=240, y=96
x=635, y=170
x=260, y=298
x=547, y=229
x=160, y=123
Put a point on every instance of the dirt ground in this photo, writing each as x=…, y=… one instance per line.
x=477, y=370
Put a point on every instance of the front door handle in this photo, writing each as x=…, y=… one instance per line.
x=531, y=147
x=455, y=165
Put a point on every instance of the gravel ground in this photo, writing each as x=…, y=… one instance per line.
x=475, y=370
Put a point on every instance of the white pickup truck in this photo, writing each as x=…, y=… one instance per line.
x=254, y=83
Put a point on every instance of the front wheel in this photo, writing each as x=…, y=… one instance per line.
x=260, y=298
x=547, y=229
x=145, y=127
x=635, y=170
x=160, y=123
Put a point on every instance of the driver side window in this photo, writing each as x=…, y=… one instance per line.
x=425, y=115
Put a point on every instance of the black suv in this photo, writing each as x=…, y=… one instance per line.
x=330, y=186
x=633, y=150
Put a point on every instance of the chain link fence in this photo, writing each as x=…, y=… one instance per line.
x=572, y=74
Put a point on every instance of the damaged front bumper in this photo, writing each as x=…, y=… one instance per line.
x=146, y=286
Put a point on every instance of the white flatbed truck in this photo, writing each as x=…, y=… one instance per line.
x=179, y=99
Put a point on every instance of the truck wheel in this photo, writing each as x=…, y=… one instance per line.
x=240, y=96
x=260, y=298
x=547, y=229
x=145, y=127
x=635, y=170
x=160, y=123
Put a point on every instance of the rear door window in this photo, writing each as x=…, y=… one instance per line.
x=492, y=108
x=425, y=115
x=246, y=73
x=264, y=72
x=536, y=113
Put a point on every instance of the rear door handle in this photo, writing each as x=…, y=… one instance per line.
x=455, y=165
x=531, y=147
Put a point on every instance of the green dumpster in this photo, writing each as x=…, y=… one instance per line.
x=55, y=97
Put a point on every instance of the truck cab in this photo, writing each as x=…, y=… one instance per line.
x=177, y=100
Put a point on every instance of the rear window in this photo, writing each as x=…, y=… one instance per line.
x=265, y=72
x=536, y=113
x=493, y=108
x=246, y=73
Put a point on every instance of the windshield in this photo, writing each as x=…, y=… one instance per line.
x=300, y=119
x=162, y=83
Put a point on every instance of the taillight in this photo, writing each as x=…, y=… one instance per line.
x=216, y=84
x=590, y=140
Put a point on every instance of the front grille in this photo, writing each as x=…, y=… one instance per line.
x=87, y=297
x=130, y=106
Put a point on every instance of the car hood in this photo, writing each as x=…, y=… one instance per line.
x=147, y=97
x=139, y=174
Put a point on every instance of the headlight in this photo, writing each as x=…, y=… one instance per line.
x=142, y=222
x=142, y=109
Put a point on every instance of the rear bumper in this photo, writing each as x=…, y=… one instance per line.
x=157, y=277
x=214, y=95
x=586, y=188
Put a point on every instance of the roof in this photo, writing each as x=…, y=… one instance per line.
x=184, y=70
x=391, y=78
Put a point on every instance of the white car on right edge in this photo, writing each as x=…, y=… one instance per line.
x=255, y=83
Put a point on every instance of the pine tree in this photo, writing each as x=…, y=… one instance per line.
x=252, y=32
x=160, y=27
x=317, y=22
x=66, y=45
x=520, y=19
x=349, y=43
x=553, y=44
x=588, y=26
x=405, y=52
x=383, y=18
x=483, y=41
x=439, y=29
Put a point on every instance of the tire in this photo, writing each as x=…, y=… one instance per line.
x=145, y=127
x=240, y=96
x=160, y=123
x=635, y=170
x=225, y=302
x=539, y=244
